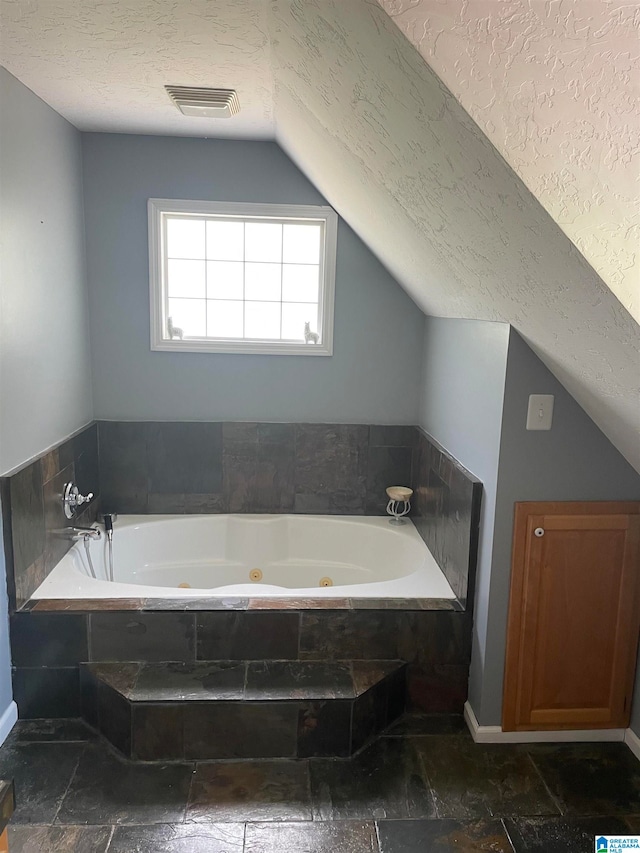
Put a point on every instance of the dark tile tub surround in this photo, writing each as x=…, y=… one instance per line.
x=229, y=709
x=48, y=648
x=446, y=513
x=214, y=467
x=186, y=467
x=32, y=510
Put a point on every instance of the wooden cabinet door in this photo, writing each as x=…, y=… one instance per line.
x=574, y=616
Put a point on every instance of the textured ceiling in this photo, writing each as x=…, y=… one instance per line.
x=368, y=121
x=103, y=64
x=554, y=85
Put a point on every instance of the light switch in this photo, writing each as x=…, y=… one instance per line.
x=540, y=411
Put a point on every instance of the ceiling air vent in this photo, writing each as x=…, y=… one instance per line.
x=208, y=103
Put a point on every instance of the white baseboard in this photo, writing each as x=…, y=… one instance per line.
x=494, y=734
x=8, y=721
x=633, y=742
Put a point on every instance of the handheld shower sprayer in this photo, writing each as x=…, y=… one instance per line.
x=109, y=518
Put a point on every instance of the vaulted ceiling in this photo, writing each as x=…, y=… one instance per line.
x=359, y=110
x=554, y=85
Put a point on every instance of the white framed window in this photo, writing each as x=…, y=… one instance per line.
x=242, y=278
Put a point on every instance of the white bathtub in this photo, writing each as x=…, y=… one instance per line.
x=172, y=556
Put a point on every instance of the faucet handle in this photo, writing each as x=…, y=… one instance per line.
x=72, y=499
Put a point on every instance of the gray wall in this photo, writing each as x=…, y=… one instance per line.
x=45, y=367
x=44, y=346
x=464, y=367
x=5, y=651
x=374, y=372
x=572, y=461
x=477, y=378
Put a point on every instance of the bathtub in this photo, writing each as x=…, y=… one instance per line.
x=251, y=556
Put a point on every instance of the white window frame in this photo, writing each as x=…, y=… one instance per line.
x=159, y=208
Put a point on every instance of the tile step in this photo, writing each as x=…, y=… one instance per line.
x=246, y=681
x=250, y=709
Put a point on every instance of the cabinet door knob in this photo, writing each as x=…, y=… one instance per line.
x=539, y=531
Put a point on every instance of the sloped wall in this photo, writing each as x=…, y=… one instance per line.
x=551, y=85
x=380, y=136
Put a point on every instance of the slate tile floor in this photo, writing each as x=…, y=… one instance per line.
x=422, y=788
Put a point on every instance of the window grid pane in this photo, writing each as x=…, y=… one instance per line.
x=191, y=239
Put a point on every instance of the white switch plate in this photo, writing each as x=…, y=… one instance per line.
x=540, y=411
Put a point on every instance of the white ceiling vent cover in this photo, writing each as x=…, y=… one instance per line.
x=208, y=103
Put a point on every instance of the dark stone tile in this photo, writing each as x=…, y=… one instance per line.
x=368, y=673
x=239, y=432
x=61, y=839
x=239, y=463
x=107, y=789
x=247, y=636
x=185, y=457
x=387, y=466
x=50, y=731
x=41, y=773
x=65, y=453
x=446, y=512
x=114, y=718
x=85, y=460
x=166, y=504
x=331, y=468
x=56, y=545
x=442, y=836
x=28, y=581
x=178, y=838
x=283, y=434
x=204, y=503
x=633, y=823
x=396, y=684
x=420, y=725
x=88, y=697
x=438, y=689
x=393, y=436
x=471, y=780
x=250, y=791
x=38, y=639
x=299, y=604
x=238, y=730
x=122, y=677
x=362, y=634
x=345, y=837
x=86, y=605
x=403, y=604
x=157, y=732
x=47, y=692
x=299, y=680
x=195, y=604
x=435, y=637
x=142, y=636
x=50, y=465
x=384, y=781
x=560, y=834
x=273, y=485
x=124, y=485
x=187, y=681
x=591, y=779
x=369, y=715
x=27, y=516
x=324, y=729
